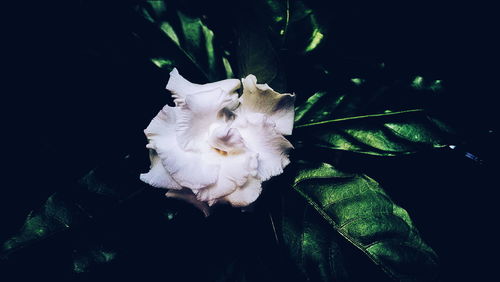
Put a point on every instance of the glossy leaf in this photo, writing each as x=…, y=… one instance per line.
x=376, y=92
x=296, y=26
x=386, y=134
x=310, y=242
x=377, y=112
x=365, y=116
x=194, y=41
x=306, y=32
x=358, y=209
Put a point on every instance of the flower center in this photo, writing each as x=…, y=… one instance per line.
x=220, y=152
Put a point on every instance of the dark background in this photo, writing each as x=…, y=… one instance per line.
x=85, y=93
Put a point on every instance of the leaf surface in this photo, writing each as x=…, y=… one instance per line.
x=96, y=193
x=177, y=39
x=358, y=209
x=385, y=134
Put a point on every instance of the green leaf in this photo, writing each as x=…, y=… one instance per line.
x=56, y=215
x=256, y=55
x=376, y=92
x=101, y=190
x=86, y=258
x=364, y=116
x=358, y=209
x=307, y=34
x=386, y=134
x=178, y=39
x=278, y=29
x=376, y=113
x=310, y=242
x=293, y=24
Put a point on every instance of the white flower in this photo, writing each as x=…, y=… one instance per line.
x=216, y=147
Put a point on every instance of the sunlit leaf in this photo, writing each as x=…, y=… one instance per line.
x=420, y=83
x=194, y=42
x=386, y=134
x=297, y=26
x=358, y=209
x=310, y=242
x=365, y=116
x=374, y=93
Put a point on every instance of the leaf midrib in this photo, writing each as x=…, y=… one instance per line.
x=340, y=231
x=359, y=117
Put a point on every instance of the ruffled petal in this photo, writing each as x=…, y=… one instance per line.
x=186, y=168
x=245, y=195
x=261, y=137
x=188, y=196
x=260, y=98
x=180, y=87
x=163, y=122
x=195, y=115
x=234, y=172
x=158, y=176
x=225, y=138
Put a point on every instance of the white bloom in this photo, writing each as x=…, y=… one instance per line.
x=214, y=146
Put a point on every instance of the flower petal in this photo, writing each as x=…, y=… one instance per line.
x=189, y=169
x=261, y=98
x=196, y=113
x=261, y=137
x=158, y=176
x=181, y=87
x=234, y=172
x=245, y=195
x=188, y=196
x=225, y=138
x=163, y=122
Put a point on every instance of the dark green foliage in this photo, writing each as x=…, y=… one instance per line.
x=191, y=42
x=386, y=134
x=358, y=108
x=98, y=192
